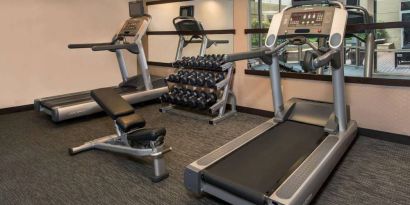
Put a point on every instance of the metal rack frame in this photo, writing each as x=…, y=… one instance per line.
x=218, y=111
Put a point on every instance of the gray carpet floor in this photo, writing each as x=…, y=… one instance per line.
x=35, y=167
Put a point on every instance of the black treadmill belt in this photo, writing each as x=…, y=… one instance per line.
x=82, y=97
x=259, y=167
x=78, y=98
x=66, y=100
x=158, y=82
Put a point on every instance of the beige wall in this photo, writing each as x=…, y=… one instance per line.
x=35, y=62
x=375, y=107
x=213, y=14
x=34, y=59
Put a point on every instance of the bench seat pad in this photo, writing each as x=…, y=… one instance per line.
x=151, y=134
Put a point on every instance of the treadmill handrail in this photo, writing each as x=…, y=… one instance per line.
x=88, y=45
x=325, y=58
x=220, y=41
x=262, y=53
x=216, y=42
x=131, y=46
x=245, y=55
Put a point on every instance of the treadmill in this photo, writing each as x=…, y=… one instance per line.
x=187, y=25
x=286, y=159
x=135, y=89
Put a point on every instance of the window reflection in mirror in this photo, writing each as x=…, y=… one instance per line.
x=213, y=15
x=392, y=50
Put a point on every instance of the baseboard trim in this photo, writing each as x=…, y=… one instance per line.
x=163, y=64
x=21, y=108
x=385, y=136
x=375, y=134
x=255, y=111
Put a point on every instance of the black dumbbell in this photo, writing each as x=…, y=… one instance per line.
x=220, y=57
x=208, y=64
x=173, y=78
x=180, y=73
x=186, y=75
x=193, y=78
x=184, y=79
x=206, y=100
x=177, y=63
x=183, y=98
x=195, y=63
x=178, y=100
x=183, y=73
x=215, y=64
x=201, y=101
x=194, y=73
x=200, y=74
x=202, y=64
x=219, y=77
x=165, y=97
x=210, y=80
x=190, y=63
x=193, y=99
x=177, y=91
x=200, y=80
x=186, y=98
x=172, y=96
x=211, y=99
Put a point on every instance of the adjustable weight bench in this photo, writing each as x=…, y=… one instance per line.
x=130, y=138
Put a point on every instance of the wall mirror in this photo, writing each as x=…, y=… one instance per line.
x=214, y=17
x=385, y=21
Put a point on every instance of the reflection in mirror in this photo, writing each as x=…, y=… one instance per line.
x=390, y=47
x=393, y=56
x=298, y=57
x=207, y=15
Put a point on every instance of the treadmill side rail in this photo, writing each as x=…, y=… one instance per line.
x=306, y=180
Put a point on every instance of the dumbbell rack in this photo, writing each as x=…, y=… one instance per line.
x=223, y=89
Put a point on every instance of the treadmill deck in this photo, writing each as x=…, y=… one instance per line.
x=78, y=98
x=259, y=167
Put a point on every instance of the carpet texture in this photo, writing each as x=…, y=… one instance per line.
x=35, y=167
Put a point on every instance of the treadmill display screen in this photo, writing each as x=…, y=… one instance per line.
x=136, y=8
x=306, y=19
x=308, y=2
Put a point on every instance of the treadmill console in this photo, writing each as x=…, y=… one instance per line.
x=131, y=27
x=308, y=21
x=315, y=21
x=189, y=25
